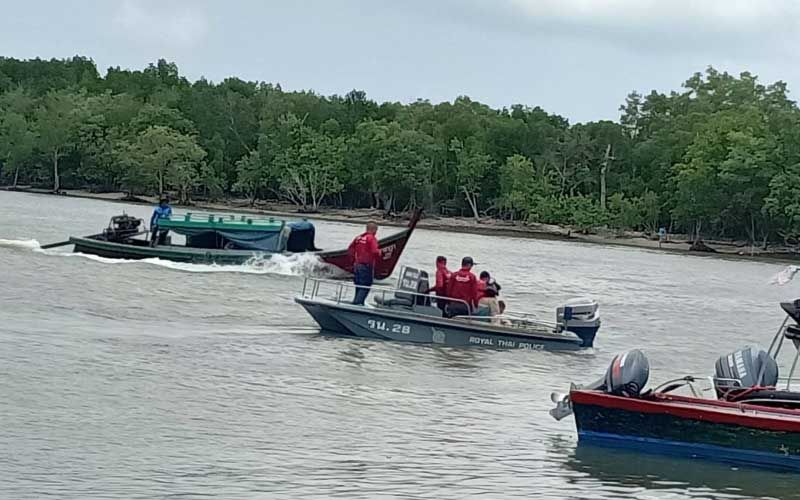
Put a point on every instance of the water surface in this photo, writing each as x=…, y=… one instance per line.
x=155, y=379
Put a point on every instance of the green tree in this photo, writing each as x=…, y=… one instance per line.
x=17, y=141
x=472, y=167
x=57, y=119
x=168, y=159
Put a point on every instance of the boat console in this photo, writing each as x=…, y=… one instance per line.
x=411, y=293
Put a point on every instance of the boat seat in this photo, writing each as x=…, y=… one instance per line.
x=412, y=281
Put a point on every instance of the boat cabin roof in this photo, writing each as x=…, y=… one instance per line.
x=222, y=222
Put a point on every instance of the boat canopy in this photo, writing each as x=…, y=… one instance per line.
x=245, y=232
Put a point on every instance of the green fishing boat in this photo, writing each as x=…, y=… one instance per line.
x=228, y=239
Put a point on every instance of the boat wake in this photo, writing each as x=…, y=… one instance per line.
x=785, y=276
x=20, y=244
x=286, y=265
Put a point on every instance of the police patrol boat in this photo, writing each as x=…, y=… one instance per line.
x=405, y=313
x=745, y=413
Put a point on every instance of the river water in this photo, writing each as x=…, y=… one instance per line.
x=154, y=379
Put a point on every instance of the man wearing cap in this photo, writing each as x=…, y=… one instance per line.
x=463, y=286
x=366, y=253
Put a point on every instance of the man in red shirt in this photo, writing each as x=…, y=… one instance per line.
x=463, y=286
x=442, y=279
x=365, y=253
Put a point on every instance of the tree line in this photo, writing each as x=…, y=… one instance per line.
x=720, y=157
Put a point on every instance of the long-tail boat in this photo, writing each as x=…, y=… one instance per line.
x=228, y=239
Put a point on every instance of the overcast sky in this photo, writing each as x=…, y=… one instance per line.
x=577, y=58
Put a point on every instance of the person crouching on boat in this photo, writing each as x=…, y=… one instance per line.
x=484, y=280
x=463, y=287
x=488, y=305
x=442, y=279
x=366, y=253
x=162, y=211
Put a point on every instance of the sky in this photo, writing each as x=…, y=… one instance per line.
x=575, y=58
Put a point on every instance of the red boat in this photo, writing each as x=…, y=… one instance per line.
x=751, y=419
x=391, y=249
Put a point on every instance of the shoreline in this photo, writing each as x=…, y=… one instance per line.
x=489, y=227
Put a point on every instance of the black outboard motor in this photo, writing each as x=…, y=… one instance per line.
x=744, y=369
x=121, y=227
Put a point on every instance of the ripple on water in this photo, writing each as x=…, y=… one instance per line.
x=142, y=381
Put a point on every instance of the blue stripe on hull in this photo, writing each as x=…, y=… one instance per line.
x=692, y=450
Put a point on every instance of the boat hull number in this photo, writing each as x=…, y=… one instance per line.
x=388, y=326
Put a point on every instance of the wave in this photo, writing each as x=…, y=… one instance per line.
x=784, y=276
x=286, y=265
x=20, y=244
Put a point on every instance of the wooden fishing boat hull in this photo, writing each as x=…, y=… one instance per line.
x=391, y=249
x=691, y=427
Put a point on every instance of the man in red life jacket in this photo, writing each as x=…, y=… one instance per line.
x=365, y=253
x=463, y=286
x=442, y=279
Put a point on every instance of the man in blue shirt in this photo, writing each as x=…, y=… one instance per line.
x=162, y=211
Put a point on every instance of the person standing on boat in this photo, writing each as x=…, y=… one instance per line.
x=162, y=211
x=463, y=287
x=442, y=279
x=366, y=253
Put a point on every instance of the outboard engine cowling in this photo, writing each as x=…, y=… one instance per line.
x=580, y=316
x=627, y=374
x=744, y=369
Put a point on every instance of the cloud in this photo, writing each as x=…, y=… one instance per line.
x=726, y=14
x=762, y=28
x=172, y=24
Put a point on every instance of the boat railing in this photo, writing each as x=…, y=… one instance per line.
x=343, y=292
x=775, y=349
x=385, y=292
x=222, y=217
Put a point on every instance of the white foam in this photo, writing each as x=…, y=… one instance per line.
x=785, y=276
x=21, y=244
x=286, y=265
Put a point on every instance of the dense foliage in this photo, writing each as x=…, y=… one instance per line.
x=720, y=157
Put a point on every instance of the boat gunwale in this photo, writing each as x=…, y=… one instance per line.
x=715, y=411
x=96, y=241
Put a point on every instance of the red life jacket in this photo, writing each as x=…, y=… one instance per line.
x=442, y=279
x=463, y=285
x=364, y=249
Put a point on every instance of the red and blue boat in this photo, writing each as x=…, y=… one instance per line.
x=752, y=416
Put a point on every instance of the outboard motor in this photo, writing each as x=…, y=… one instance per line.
x=121, y=227
x=744, y=369
x=626, y=376
x=581, y=317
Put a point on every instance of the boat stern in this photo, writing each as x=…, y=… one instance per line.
x=580, y=316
